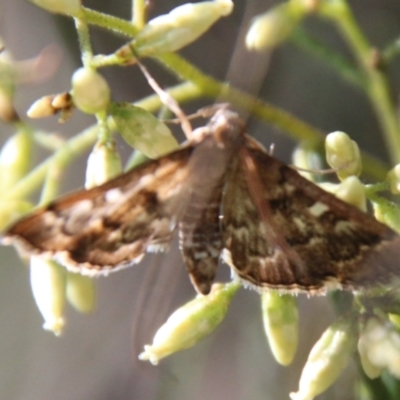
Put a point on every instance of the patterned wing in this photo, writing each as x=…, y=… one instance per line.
x=337, y=244
x=110, y=226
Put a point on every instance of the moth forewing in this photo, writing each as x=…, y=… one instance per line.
x=339, y=245
x=112, y=225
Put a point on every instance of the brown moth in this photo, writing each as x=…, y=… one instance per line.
x=227, y=197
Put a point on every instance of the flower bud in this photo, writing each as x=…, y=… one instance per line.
x=190, y=323
x=352, y=191
x=327, y=359
x=90, y=91
x=42, y=108
x=281, y=324
x=48, y=281
x=394, y=179
x=180, y=27
x=380, y=344
x=103, y=164
x=305, y=158
x=273, y=27
x=15, y=159
x=59, y=6
x=80, y=292
x=343, y=154
x=142, y=130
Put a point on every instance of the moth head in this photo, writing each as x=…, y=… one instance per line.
x=226, y=126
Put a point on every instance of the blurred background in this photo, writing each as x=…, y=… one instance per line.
x=96, y=356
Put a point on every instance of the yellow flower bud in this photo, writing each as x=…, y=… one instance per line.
x=343, y=154
x=59, y=6
x=15, y=159
x=180, y=27
x=281, y=324
x=190, y=323
x=352, y=191
x=48, y=281
x=103, y=164
x=90, y=91
x=80, y=292
x=273, y=27
x=327, y=359
x=42, y=108
x=142, y=130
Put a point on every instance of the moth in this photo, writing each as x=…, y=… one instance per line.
x=228, y=198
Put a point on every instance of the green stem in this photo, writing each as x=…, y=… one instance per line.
x=62, y=157
x=108, y=22
x=391, y=51
x=139, y=13
x=84, y=41
x=377, y=87
x=333, y=59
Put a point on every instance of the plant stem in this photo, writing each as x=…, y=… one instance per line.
x=333, y=59
x=74, y=147
x=296, y=128
x=376, y=84
x=84, y=41
x=139, y=13
x=108, y=22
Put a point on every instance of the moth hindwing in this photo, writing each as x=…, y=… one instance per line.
x=273, y=227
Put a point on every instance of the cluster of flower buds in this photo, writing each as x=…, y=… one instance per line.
x=379, y=347
x=52, y=104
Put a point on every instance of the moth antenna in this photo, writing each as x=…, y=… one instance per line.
x=168, y=101
x=322, y=171
x=205, y=112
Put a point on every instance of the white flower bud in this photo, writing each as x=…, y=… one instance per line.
x=80, y=292
x=103, y=164
x=343, y=154
x=273, y=27
x=48, y=281
x=394, y=179
x=59, y=6
x=281, y=324
x=190, y=323
x=90, y=91
x=380, y=344
x=15, y=159
x=180, y=27
x=142, y=130
x=327, y=359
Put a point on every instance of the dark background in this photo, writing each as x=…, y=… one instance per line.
x=96, y=356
